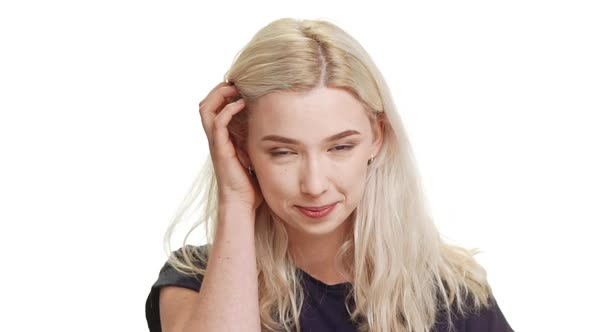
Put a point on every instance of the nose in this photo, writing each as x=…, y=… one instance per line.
x=314, y=180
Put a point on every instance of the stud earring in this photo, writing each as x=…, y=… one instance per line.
x=250, y=171
x=371, y=160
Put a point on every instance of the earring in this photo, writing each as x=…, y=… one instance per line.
x=371, y=160
x=250, y=171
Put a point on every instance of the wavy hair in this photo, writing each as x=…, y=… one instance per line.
x=404, y=275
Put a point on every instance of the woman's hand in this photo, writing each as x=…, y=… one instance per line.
x=236, y=187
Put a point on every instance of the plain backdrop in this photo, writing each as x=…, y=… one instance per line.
x=100, y=139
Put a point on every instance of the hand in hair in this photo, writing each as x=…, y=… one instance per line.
x=234, y=184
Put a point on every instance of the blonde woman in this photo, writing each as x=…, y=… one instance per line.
x=312, y=205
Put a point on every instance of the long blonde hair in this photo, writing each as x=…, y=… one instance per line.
x=404, y=274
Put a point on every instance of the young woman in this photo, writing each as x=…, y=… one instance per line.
x=314, y=214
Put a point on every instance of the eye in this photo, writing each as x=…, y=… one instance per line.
x=337, y=148
x=279, y=153
x=343, y=147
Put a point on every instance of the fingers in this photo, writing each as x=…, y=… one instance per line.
x=219, y=96
x=213, y=91
x=220, y=134
x=210, y=106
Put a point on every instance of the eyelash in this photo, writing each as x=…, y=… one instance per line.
x=284, y=153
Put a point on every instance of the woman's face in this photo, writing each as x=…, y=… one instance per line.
x=311, y=150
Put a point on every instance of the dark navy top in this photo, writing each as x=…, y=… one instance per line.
x=323, y=308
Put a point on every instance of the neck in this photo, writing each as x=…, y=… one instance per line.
x=316, y=255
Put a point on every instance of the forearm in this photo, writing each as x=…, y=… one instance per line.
x=228, y=299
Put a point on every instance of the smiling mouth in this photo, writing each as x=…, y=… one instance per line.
x=316, y=208
x=321, y=212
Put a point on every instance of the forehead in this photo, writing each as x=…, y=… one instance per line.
x=309, y=117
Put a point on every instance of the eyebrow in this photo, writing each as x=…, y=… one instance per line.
x=286, y=140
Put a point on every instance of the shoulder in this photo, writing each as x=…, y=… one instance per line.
x=194, y=253
x=487, y=319
x=170, y=276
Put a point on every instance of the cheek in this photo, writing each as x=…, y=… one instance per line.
x=275, y=183
x=350, y=180
x=280, y=183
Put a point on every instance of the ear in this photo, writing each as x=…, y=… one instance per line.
x=243, y=156
x=378, y=127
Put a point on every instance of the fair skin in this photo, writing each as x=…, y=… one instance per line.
x=228, y=298
x=312, y=171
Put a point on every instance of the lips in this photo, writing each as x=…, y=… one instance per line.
x=318, y=212
x=316, y=208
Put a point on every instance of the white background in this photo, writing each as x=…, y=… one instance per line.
x=100, y=139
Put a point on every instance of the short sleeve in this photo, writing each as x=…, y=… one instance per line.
x=169, y=276
x=490, y=319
